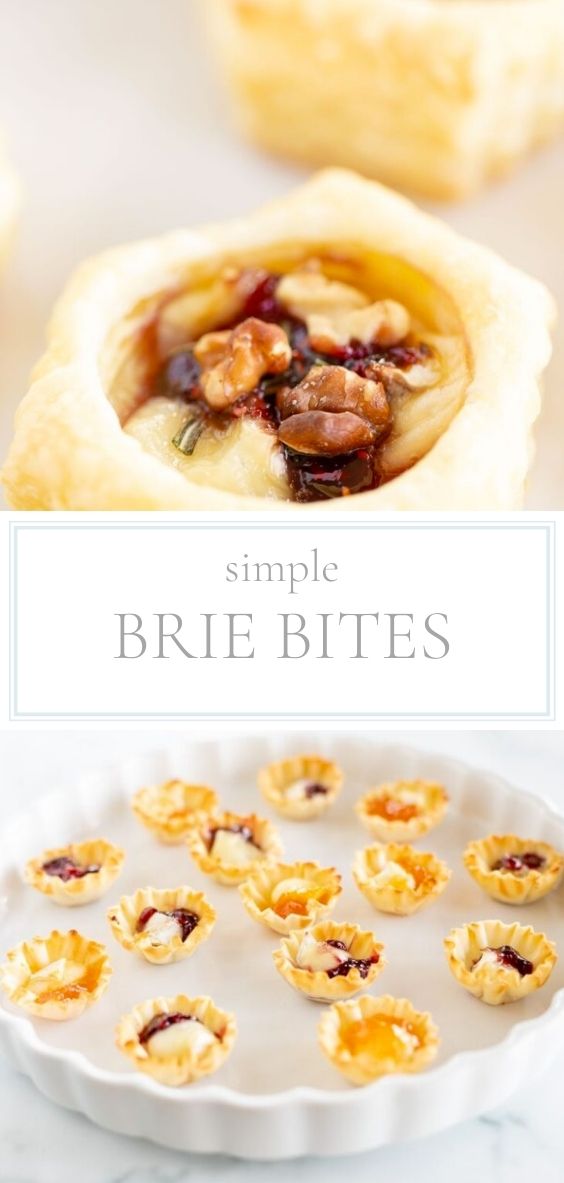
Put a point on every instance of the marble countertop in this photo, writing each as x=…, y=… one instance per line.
x=44, y=1144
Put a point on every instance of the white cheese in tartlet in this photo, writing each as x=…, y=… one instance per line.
x=233, y=848
x=190, y=1036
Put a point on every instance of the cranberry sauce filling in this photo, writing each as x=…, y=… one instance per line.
x=509, y=957
x=314, y=789
x=529, y=861
x=188, y=921
x=311, y=478
x=65, y=868
x=362, y=964
x=243, y=829
x=161, y=1021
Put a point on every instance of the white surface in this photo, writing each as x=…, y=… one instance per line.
x=522, y=1135
x=119, y=131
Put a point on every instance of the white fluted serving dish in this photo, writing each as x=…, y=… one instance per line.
x=277, y=1097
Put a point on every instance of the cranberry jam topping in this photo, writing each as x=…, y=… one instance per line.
x=508, y=956
x=330, y=434
x=361, y=964
x=314, y=789
x=530, y=861
x=65, y=868
x=187, y=920
x=161, y=1021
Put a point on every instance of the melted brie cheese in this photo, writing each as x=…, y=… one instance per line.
x=232, y=848
x=181, y=1038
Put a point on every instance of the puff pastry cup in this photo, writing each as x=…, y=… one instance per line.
x=169, y=810
x=301, y=787
x=360, y=83
x=398, y=879
x=371, y=1037
x=177, y=1040
x=228, y=845
x=330, y=961
x=514, y=870
x=498, y=962
x=290, y=896
x=337, y=341
x=56, y=977
x=402, y=810
x=162, y=925
x=76, y=873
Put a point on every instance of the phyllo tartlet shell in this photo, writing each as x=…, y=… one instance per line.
x=85, y=888
x=399, y=900
x=275, y=778
x=188, y=1067
x=316, y=984
x=123, y=918
x=499, y=984
x=169, y=810
x=229, y=874
x=70, y=450
x=504, y=885
x=61, y=1000
x=433, y=807
x=362, y=1070
x=256, y=894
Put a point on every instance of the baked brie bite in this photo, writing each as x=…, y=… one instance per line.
x=429, y=95
x=337, y=342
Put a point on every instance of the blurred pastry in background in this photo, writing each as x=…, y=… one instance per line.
x=424, y=95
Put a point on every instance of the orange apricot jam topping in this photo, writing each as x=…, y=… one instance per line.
x=381, y=1037
x=391, y=810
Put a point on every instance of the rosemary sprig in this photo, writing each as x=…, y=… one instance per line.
x=188, y=435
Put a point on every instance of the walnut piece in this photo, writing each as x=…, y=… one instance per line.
x=336, y=313
x=332, y=411
x=233, y=361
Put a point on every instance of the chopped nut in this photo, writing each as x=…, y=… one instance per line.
x=334, y=388
x=325, y=433
x=234, y=361
x=383, y=323
x=308, y=293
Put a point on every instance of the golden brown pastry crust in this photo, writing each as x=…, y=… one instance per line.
x=74, y=892
x=256, y=894
x=362, y=81
x=275, y=779
x=189, y=1066
x=231, y=874
x=504, y=886
x=56, y=998
x=498, y=984
x=432, y=802
x=71, y=452
x=397, y=897
x=362, y=1069
x=169, y=810
x=316, y=984
x=123, y=918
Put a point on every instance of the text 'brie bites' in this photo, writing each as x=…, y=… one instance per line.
x=301, y=787
x=371, y=1037
x=336, y=342
x=287, y=896
x=499, y=962
x=228, y=845
x=75, y=874
x=56, y=977
x=402, y=810
x=330, y=961
x=514, y=870
x=171, y=809
x=399, y=879
x=162, y=925
x=361, y=83
x=177, y=1040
